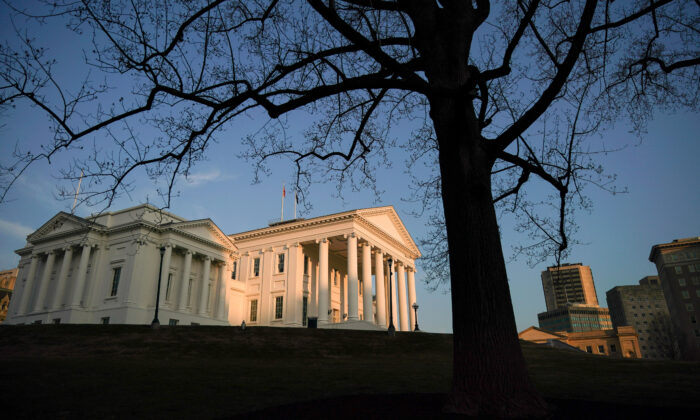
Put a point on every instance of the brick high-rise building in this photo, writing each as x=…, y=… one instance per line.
x=644, y=307
x=678, y=264
x=568, y=284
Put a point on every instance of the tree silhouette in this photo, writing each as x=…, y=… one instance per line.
x=497, y=95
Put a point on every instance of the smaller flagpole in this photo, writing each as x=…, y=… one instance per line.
x=75, y=201
x=295, y=203
x=283, y=194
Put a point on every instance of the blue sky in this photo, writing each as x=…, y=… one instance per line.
x=660, y=171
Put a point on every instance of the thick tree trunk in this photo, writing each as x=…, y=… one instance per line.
x=490, y=375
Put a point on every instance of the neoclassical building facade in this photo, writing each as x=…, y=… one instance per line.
x=105, y=269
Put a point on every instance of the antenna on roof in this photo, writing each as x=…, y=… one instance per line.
x=75, y=201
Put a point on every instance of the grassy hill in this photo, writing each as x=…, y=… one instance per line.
x=117, y=371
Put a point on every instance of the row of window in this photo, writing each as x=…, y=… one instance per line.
x=692, y=268
x=279, y=309
x=695, y=280
x=680, y=256
x=686, y=294
x=601, y=349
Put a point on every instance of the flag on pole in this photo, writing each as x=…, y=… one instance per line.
x=284, y=192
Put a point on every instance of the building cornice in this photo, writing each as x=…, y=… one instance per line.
x=353, y=215
x=679, y=243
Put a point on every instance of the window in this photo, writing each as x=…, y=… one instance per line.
x=173, y=322
x=691, y=268
x=304, y=309
x=233, y=270
x=359, y=284
x=280, y=263
x=697, y=333
x=679, y=269
x=116, y=273
x=253, y=310
x=335, y=278
x=695, y=281
x=306, y=265
x=697, y=292
x=104, y=320
x=685, y=294
x=689, y=307
x=168, y=287
x=57, y=321
x=589, y=349
x=601, y=349
x=256, y=267
x=279, y=300
x=336, y=315
x=681, y=282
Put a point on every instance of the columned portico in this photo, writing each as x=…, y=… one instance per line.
x=279, y=279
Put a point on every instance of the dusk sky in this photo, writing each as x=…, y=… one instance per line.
x=660, y=170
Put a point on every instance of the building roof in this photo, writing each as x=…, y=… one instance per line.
x=676, y=243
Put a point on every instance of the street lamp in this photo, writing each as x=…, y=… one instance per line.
x=391, y=330
x=155, y=323
x=415, y=309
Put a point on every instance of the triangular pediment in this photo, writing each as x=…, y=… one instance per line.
x=538, y=334
x=59, y=224
x=387, y=220
x=205, y=229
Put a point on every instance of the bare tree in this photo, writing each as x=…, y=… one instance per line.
x=498, y=95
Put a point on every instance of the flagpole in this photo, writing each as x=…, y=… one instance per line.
x=75, y=201
x=283, y=194
x=295, y=203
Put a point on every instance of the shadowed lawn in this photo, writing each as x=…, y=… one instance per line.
x=116, y=371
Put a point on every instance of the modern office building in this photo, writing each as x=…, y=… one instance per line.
x=575, y=317
x=568, y=283
x=107, y=268
x=678, y=265
x=644, y=307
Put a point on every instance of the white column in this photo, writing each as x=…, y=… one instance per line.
x=62, y=276
x=323, y=292
x=45, y=279
x=165, y=272
x=313, y=297
x=367, y=283
x=381, y=290
x=185, y=281
x=412, y=296
x=403, y=308
x=221, y=305
x=27, y=291
x=204, y=294
x=394, y=303
x=353, y=290
x=79, y=285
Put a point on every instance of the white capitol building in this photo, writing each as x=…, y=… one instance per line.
x=104, y=269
